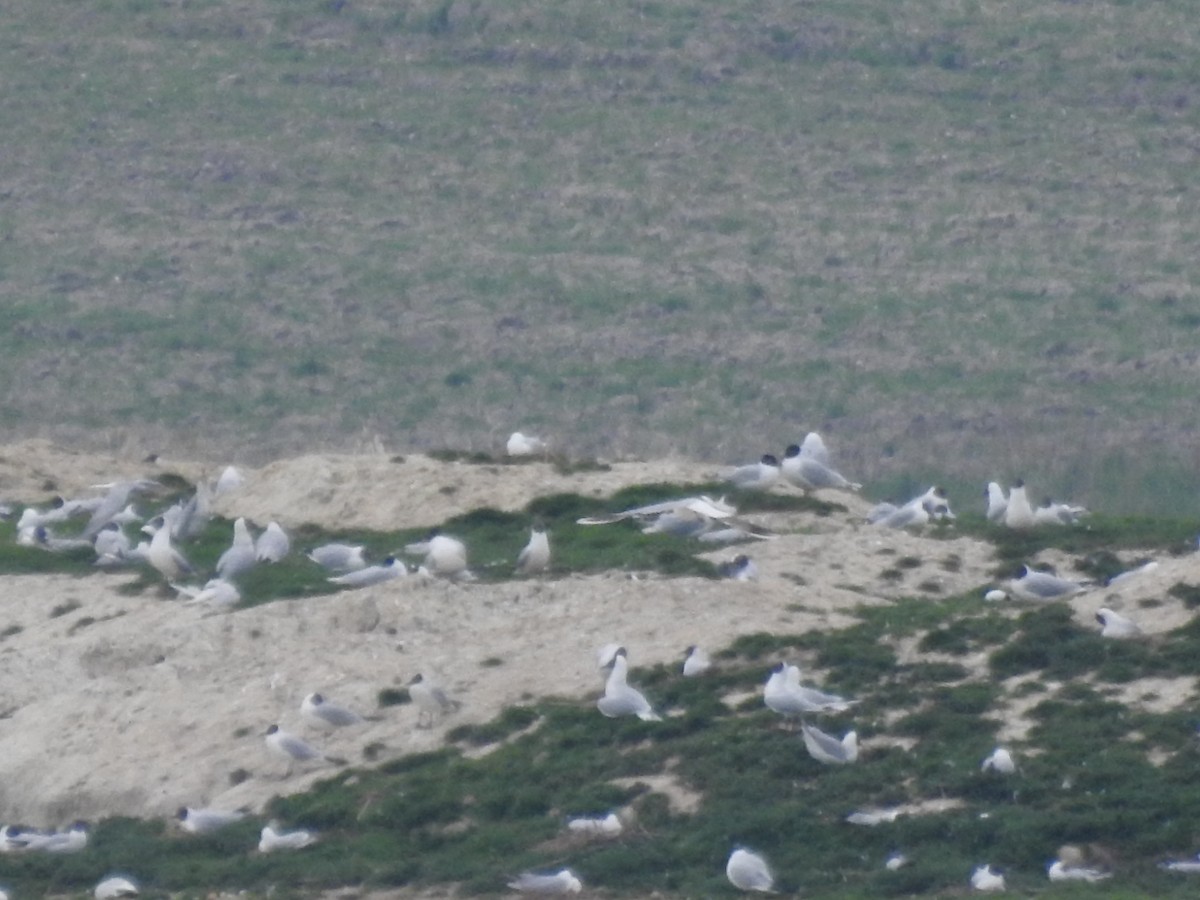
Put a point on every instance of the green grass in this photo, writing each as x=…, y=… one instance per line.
x=719, y=224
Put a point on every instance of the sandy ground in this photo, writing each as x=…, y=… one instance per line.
x=136, y=705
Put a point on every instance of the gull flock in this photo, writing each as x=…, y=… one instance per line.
x=712, y=520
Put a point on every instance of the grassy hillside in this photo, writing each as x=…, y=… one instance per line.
x=958, y=238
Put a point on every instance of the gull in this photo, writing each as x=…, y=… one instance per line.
x=814, y=448
x=115, y=886
x=1051, y=513
x=784, y=694
x=206, y=821
x=1044, y=586
x=701, y=505
x=524, y=445
x=111, y=541
x=997, y=503
x=536, y=555
x=562, y=882
x=1116, y=625
x=241, y=556
x=319, y=712
x=43, y=537
x=216, y=591
x=984, y=878
x=1018, y=513
x=604, y=656
x=272, y=839
x=431, y=699
x=273, y=544
x=696, y=662
x=10, y=839
x=230, y=480
x=995, y=595
x=619, y=698
x=292, y=748
x=72, y=840
x=128, y=516
x=827, y=749
x=444, y=555
x=387, y=570
x=740, y=568
x=809, y=473
x=339, y=557
x=113, y=502
x=1148, y=566
x=872, y=817
x=607, y=826
x=757, y=476
x=1188, y=866
x=1000, y=761
x=895, y=862
x=1063, y=871
x=163, y=556
x=748, y=871
x=933, y=505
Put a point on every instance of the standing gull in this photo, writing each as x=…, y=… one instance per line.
x=997, y=503
x=165, y=558
x=1018, y=513
x=1114, y=625
x=619, y=698
x=273, y=544
x=696, y=662
x=1000, y=761
x=535, y=557
x=240, y=557
x=292, y=748
x=431, y=699
x=809, y=473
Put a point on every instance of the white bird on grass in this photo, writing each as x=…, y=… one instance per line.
x=206, y=821
x=696, y=662
x=1186, y=866
x=748, y=871
x=72, y=840
x=1114, y=625
x=1051, y=513
x=996, y=502
x=339, y=557
x=1063, y=871
x=241, y=556
x=757, y=476
x=1018, y=513
x=985, y=878
x=273, y=544
x=111, y=541
x=114, y=887
x=784, y=694
x=827, y=749
x=605, y=826
x=562, y=882
x=620, y=699
x=1000, y=761
x=535, y=557
x=230, y=480
x=387, y=570
x=272, y=839
x=165, y=558
x=445, y=556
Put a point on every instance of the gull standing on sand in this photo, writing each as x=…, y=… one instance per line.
x=1115, y=625
x=562, y=882
x=292, y=748
x=536, y=555
x=271, y=839
x=387, y=570
x=431, y=699
x=320, y=713
x=748, y=871
x=339, y=557
x=619, y=698
x=827, y=749
x=1043, y=586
